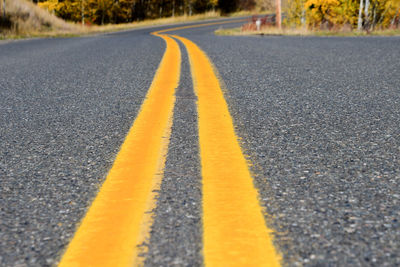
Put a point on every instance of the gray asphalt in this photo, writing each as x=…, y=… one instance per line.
x=319, y=118
x=176, y=236
x=66, y=106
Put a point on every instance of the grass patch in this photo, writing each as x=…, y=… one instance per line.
x=25, y=19
x=272, y=31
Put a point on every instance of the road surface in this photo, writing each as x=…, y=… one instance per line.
x=316, y=121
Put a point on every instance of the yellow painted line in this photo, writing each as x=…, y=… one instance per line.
x=234, y=229
x=118, y=219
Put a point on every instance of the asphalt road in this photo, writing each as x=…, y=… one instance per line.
x=318, y=117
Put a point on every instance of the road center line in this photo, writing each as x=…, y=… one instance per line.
x=235, y=233
x=118, y=219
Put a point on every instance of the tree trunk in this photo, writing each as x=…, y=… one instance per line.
x=83, y=12
x=374, y=17
x=394, y=18
x=366, y=15
x=359, y=24
x=4, y=8
x=102, y=15
x=384, y=14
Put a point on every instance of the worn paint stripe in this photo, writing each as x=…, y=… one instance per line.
x=235, y=233
x=118, y=219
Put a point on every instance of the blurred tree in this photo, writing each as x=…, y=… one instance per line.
x=214, y=4
x=265, y=5
x=247, y=4
x=295, y=13
x=227, y=6
x=322, y=12
x=361, y=14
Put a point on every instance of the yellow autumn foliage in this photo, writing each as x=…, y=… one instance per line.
x=322, y=12
x=120, y=11
x=50, y=5
x=340, y=13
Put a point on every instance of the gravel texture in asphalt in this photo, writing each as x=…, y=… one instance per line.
x=318, y=117
x=320, y=120
x=65, y=108
x=176, y=236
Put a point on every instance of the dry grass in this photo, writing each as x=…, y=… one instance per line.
x=23, y=18
x=273, y=31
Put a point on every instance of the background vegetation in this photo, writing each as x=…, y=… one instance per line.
x=366, y=15
x=123, y=11
x=21, y=17
x=315, y=14
x=25, y=18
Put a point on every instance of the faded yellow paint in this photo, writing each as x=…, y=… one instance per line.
x=118, y=219
x=234, y=230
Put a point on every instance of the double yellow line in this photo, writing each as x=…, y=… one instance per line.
x=119, y=219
